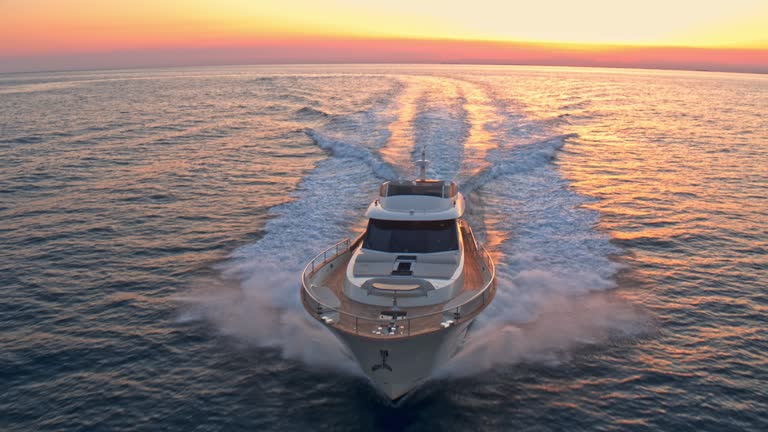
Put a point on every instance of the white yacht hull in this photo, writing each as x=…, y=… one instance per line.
x=402, y=296
x=398, y=365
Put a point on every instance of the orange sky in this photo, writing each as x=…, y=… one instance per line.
x=687, y=34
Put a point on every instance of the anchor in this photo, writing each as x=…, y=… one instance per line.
x=383, y=365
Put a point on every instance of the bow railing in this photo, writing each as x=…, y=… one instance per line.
x=335, y=315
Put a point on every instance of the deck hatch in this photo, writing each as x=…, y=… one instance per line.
x=404, y=265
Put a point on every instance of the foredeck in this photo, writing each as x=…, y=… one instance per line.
x=367, y=320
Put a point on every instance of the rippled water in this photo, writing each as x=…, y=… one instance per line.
x=154, y=224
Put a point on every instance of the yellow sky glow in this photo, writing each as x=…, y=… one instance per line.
x=694, y=23
x=50, y=25
x=63, y=34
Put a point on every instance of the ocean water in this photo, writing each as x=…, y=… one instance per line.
x=154, y=223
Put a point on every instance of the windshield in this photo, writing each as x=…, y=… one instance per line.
x=411, y=236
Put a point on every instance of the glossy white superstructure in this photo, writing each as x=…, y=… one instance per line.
x=403, y=294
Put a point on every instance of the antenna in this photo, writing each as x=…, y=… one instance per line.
x=422, y=164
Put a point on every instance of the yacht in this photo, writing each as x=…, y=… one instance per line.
x=402, y=295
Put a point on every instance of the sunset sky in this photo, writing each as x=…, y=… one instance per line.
x=681, y=34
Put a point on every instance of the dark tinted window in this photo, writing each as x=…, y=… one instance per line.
x=414, y=237
x=428, y=189
x=434, y=188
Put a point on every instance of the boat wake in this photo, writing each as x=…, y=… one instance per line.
x=554, y=269
x=562, y=325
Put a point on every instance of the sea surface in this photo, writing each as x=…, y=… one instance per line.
x=154, y=224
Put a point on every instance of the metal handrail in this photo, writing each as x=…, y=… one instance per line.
x=312, y=267
x=313, y=264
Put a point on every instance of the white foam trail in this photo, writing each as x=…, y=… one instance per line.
x=258, y=312
x=382, y=169
x=399, y=147
x=261, y=304
x=553, y=266
x=431, y=114
x=516, y=160
x=483, y=117
x=560, y=325
x=441, y=125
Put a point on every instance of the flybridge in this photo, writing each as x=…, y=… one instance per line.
x=417, y=200
x=435, y=188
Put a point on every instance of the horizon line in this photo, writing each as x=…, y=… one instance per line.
x=373, y=63
x=335, y=50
